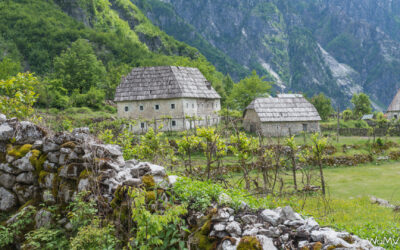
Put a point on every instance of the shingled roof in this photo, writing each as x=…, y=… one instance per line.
x=164, y=82
x=284, y=108
x=395, y=105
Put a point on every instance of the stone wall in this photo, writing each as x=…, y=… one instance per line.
x=36, y=167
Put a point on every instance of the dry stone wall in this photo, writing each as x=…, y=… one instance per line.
x=36, y=167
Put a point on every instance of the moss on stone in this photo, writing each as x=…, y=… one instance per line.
x=150, y=196
x=3, y=157
x=204, y=242
x=249, y=243
x=18, y=151
x=42, y=176
x=334, y=247
x=85, y=174
x=118, y=196
x=37, y=160
x=69, y=144
x=317, y=246
x=148, y=182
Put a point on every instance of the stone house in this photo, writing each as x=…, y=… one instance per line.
x=178, y=98
x=393, y=111
x=281, y=116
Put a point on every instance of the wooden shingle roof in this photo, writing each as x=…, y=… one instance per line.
x=284, y=108
x=164, y=82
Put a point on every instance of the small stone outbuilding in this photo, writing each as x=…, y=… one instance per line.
x=393, y=111
x=178, y=98
x=281, y=116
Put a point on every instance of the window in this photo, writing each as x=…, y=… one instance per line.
x=305, y=127
x=141, y=107
x=192, y=105
x=126, y=108
x=395, y=116
x=157, y=107
x=142, y=125
x=173, y=123
x=173, y=106
x=187, y=105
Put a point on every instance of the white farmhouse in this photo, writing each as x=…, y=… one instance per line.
x=167, y=95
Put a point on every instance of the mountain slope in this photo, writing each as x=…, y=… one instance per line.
x=36, y=32
x=337, y=47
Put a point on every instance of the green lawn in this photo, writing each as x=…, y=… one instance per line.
x=379, y=180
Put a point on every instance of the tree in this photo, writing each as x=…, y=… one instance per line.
x=17, y=95
x=318, y=148
x=323, y=105
x=8, y=68
x=228, y=84
x=78, y=67
x=291, y=143
x=186, y=146
x=244, y=92
x=213, y=146
x=362, y=105
x=347, y=114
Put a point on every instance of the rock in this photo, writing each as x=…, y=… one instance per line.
x=266, y=243
x=28, y=133
x=47, y=180
x=272, y=232
x=234, y=229
x=50, y=146
x=38, y=144
x=6, y=132
x=68, y=226
x=10, y=158
x=43, y=218
x=309, y=225
x=24, y=192
x=229, y=244
x=63, y=159
x=53, y=157
x=8, y=200
x=222, y=215
x=71, y=171
x=24, y=164
x=287, y=213
x=26, y=178
x=270, y=216
x=251, y=231
x=83, y=130
x=65, y=192
x=49, y=166
x=107, y=150
x=83, y=185
x=172, y=179
x=284, y=238
x=218, y=234
x=302, y=244
x=224, y=199
x=133, y=182
x=3, y=118
x=219, y=227
x=5, y=167
x=48, y=198
x=156, y=170
x=7, y=180
x=249, y=219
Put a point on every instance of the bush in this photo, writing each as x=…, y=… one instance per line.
x=347, y=114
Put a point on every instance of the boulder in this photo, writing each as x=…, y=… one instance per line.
x=24, y=164
x=26, y=178
x=28, y=133
x=53, y=157
x=50, y=146
x=43, y=218
x=48, y=197
x=266, y=243
x=6, y=132
x=83, y=185
x=222, y=214
x=71, y=171
x=5, y=167
x=229, y=244
x=249, y=219
x=7, y=180
x=3, y=118
x=270, y=216
x=234, y=229
x=8, y=200
x=46, y=179
x=24, y=192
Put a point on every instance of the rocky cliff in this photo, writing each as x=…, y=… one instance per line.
x=337, y=47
